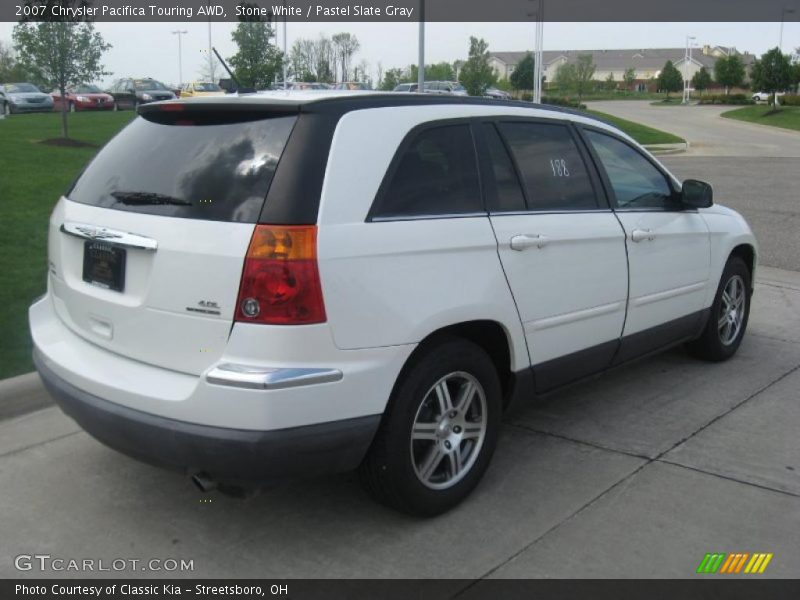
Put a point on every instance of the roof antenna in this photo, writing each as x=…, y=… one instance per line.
x=239, y=88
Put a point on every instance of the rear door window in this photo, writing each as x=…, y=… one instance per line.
x=436, y=174
x=552, y=168
x=507, y=194
x=215, y=172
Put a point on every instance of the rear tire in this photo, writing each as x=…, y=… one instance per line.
x=439, y=431
x=730, y=312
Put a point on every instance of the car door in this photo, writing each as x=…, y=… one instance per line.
x=560, y=245
x=668, y=247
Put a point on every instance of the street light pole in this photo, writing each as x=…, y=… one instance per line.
x=687, y=58
x=784, y=12
x=285, y=84
x=210, y=53
x=179, y=33
x=421, y=57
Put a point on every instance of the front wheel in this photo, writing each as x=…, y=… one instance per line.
x=439, y=432
x=729, y=314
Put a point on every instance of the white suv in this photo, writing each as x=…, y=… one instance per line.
x=248, y=288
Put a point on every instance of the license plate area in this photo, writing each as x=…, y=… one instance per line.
x=104, y=265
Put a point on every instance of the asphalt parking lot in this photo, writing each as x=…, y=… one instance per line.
x=637, y=474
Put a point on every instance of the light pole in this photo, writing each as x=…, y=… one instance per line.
x=421, y=57
x=687, y=58
x=285, y=84
x=537, y=51
x=210, y=54
x=784, y=12
x=179, y=33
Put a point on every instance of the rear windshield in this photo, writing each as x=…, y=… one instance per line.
x=218, y=172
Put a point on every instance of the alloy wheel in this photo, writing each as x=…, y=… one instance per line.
x=732, y=310
x=448, y=430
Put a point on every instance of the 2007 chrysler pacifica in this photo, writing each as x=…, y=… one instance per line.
x=352, y=280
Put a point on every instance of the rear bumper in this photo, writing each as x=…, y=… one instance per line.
x=226, y=455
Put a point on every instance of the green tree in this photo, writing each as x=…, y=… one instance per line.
x=610, y=84
x=629, y=77
x=477, y=74
x=257, y=61
x=796, y=76
x=442, y=71
x=729, y=72
x=60, y=54
x=10, y=69
x=391, y=78
x=566, y=78
x=701, y=80
x=522, y=76
x=670, y=79
x=584, y=73
x=772, y=73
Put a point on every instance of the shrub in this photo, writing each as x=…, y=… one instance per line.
x=787, y=100
x=558, y=101
x=723, y=99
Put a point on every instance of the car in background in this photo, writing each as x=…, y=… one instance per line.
x=406, y=87
x=83, y=97
x=24, y=97
x=764, y=96
x=452, y=88
x=201, y=88
x=305, y=85
x=352, y=85
x=129, y=93
x=496, y=94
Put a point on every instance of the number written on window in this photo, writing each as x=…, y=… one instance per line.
x=559, y=167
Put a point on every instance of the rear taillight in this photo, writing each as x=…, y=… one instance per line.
x=280, y=281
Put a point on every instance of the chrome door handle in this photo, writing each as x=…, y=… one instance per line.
x=521, y=242
x=111, y=236
x=640, y=235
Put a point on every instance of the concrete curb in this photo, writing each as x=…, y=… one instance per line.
x=22, y=394
x=662, y=149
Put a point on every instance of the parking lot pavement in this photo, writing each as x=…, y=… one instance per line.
x=707, y=132
x=637, y=474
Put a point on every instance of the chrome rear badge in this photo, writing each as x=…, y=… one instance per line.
x=207, y=307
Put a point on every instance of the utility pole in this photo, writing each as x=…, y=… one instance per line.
x=210, y=52
x=536, y=96
x=285, y=84
x=179, y=33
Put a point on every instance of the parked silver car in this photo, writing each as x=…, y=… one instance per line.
x=24, y=97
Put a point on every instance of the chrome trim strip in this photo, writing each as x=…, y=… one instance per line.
x=109, y=236
x=269, y=378
x=686, y=289
x=578, y=315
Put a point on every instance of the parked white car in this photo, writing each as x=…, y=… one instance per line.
x=296, y=294
x=764, y=96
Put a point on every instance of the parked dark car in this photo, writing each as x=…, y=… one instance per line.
x=129, y=93
x=497, y=94
x=24, y=97
x=83, y=97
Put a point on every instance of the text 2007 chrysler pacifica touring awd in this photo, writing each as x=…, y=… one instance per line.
x=339, y=281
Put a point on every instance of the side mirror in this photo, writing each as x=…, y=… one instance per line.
x=697, y=194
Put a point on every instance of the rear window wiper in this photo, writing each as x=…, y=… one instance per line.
x=142, y=198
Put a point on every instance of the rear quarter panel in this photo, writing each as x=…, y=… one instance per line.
x=395, y=282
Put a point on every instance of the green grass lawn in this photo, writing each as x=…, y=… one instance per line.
x=32, y=177
x=787, y=117
x=641, y=133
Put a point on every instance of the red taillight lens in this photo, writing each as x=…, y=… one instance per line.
x=280, y=282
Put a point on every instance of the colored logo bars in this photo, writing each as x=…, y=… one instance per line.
x=735, y=562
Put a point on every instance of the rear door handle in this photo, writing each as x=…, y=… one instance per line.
x=521, y=242
x=640, y=235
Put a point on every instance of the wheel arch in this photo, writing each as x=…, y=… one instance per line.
x=747, y=253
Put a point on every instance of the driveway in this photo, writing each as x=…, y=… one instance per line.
x=708, y=134
x=638, y=474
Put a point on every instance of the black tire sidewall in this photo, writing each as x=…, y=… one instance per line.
x=438, y=361
x=735, y=266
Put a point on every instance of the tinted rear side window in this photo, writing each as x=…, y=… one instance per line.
x=437, y=174
x=507, y=194
x=551, y=166
x=215, y=172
